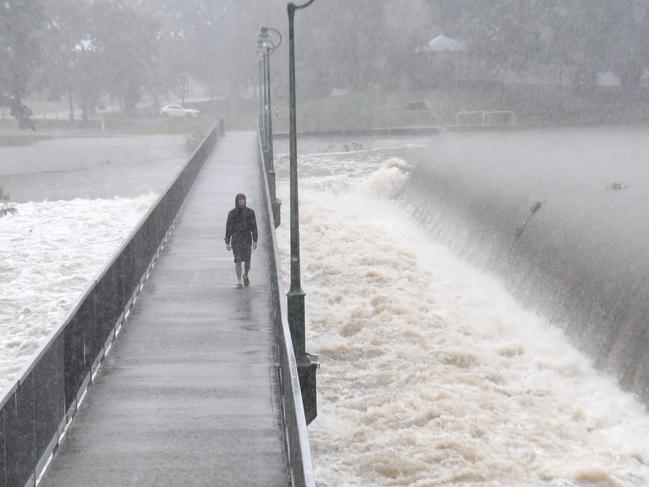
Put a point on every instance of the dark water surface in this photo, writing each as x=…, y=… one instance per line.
x=69, y=168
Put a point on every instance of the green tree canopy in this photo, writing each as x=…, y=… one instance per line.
x=21, y=24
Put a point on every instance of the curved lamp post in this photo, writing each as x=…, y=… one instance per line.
x=307, y=363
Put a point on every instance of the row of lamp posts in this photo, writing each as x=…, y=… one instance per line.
x=268, y=40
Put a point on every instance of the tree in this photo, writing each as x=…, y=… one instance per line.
x=72, y=67
x=126, y=42
x=357, y=45
x=6, y=206
x=171, y=65
x=624, y=46
x=212, y=42
x=21, y=27
x=584, y=35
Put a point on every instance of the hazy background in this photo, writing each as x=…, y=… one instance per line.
x=550, y=61
x=438, y=366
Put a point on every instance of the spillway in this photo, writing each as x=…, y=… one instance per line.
x=561, y=216
x=439, y=301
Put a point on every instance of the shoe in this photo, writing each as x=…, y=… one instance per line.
x=239, y=285
x=246, y=281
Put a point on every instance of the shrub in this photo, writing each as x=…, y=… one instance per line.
x=6, y=206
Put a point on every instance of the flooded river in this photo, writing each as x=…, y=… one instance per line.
x=433, y=371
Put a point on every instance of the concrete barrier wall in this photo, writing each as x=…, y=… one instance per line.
x=569, y=235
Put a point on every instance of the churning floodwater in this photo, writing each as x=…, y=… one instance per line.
x=77, y=201
x=432, y=373
x=50, y=252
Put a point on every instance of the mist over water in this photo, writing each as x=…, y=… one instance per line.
x=432, y=374
x=90, y=167
x=559, y=215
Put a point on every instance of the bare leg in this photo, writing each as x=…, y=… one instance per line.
x=245, y=275
x=237, y=270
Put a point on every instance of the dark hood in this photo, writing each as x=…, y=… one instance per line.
x=236, y=198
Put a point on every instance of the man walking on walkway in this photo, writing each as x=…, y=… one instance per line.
x=240, y=236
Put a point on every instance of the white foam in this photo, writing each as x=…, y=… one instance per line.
x=432, y=374
x=386, y=182
x=49, y=254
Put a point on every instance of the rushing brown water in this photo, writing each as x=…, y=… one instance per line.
x=432, y=373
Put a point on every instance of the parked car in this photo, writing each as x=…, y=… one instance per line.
x=178, y=111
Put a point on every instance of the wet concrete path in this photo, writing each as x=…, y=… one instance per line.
x=189, y=395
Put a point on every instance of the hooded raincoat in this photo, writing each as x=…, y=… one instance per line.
x=241, y=227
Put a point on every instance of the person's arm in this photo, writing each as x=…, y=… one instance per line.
x=228, y=231
x=253, y=229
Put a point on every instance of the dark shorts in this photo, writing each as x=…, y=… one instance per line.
x=242, y=251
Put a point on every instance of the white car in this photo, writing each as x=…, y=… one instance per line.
x=178, y=111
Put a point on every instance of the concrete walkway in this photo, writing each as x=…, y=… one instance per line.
x=189, y=395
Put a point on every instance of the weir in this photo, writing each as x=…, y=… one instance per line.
x=560, y=216
x=164, y=373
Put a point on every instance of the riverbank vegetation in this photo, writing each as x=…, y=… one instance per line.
x=6, y=206
x=549, y=61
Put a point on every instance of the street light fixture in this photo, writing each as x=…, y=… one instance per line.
x=307, y=363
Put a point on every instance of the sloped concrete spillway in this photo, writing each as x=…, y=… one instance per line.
x=562, y=217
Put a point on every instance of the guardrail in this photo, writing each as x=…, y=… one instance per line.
x=37, y=408
x=362, y=122
x=485, y=119
x=297, y=439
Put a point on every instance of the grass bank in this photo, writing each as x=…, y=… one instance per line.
x=109, y=126
x=533, y=106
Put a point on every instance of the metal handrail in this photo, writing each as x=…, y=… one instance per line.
x=484, y=115
x=297, y=439
x=37, y=407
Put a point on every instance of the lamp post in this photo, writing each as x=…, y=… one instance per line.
x=262, y=94
x=266, y=47
x=307, y=364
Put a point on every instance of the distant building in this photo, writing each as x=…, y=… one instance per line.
x=441, y=44
x=444, y=61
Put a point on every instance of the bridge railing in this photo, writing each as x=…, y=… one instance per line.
x=485, y=119
x=36, y=409
x=297, y=439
